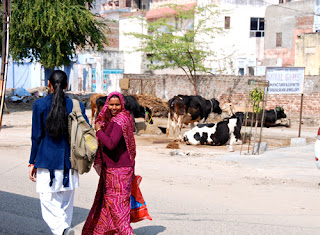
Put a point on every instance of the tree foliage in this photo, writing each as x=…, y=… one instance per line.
x=50, y=31
x=176, y=40
x=256, y=96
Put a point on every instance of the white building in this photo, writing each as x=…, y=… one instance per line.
x=239, y=50
x=133, y=62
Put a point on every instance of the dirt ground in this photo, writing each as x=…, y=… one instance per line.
x=274, y=136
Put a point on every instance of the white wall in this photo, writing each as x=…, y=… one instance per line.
x=236, y=41
x=132, y=60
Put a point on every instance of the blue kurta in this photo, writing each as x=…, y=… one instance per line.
x=46, y=152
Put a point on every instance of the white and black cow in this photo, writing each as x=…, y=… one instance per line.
x=215, y=133
x=132, y=105
x=270, y=118
x=185, y=109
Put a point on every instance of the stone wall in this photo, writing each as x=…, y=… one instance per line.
x=233, y=88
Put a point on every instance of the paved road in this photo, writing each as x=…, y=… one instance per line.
x=207, y=192
x=178, y=203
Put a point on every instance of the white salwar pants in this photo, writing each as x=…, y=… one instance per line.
x=57, y=209
x=56, y=200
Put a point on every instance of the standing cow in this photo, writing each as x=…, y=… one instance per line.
x=185, y=109
x=215, y=133
x=132, y=105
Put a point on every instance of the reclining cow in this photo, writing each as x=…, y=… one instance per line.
x=215, y=134
x=132, y=105
x=185, y=109
x=270, y=119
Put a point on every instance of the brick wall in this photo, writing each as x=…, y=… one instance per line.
x=234, y=88
x=113, y=35
x=304, y=21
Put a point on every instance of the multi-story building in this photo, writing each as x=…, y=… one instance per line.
x=292, y=35
x=242, y=42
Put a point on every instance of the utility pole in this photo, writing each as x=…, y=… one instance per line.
x=5, y=53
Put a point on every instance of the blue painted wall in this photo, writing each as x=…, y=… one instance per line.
x=66, y=69
x=19, y=75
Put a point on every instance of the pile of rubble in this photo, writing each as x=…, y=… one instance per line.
x=158, y=106
x=20, y=99
x=19, y=95
x=22, y=95
x=83, y=97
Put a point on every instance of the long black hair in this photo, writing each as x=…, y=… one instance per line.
x=57, y=120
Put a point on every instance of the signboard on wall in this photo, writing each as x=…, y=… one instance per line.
x=94, y=80
x=285, y=80
x=110, y=80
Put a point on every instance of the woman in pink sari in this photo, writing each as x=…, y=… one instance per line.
x=110, y=213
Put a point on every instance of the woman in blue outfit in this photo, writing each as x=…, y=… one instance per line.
x=50, y=165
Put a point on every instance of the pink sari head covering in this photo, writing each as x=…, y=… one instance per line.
x=123, y=119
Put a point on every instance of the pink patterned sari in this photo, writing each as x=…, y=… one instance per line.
x=110, y=212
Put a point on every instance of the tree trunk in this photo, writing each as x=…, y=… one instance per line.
x=194, y=83
x=195, y=89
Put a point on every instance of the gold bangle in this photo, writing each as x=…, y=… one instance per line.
x=98, y=130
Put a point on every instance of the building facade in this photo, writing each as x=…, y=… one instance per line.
x=285, y=23
x=238, y=51
x=307, y=53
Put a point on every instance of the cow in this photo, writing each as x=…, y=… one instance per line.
x=132, y=105
x=185, y=109
x=215, y=134
x=270, y=117
x=137, y=111
x=231, y=108
x=93, y=100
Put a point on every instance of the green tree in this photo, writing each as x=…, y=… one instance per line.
x=50, y=31
x=177, y=40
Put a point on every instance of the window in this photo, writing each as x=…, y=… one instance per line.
x=278, y=39
x=189, y=34
x=241, y=72
x=227, y=22
x=257, y=27
x=166, y=29
x=251, y=71
x=190, y=26
x=176, y=22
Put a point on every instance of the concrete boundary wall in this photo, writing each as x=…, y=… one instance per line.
x=233, y=88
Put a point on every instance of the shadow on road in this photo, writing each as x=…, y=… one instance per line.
x=22, y=215
x=149, y=230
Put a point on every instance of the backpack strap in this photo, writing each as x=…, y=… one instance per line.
x=76, y=107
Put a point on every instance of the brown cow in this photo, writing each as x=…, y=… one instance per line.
x=93, y=99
